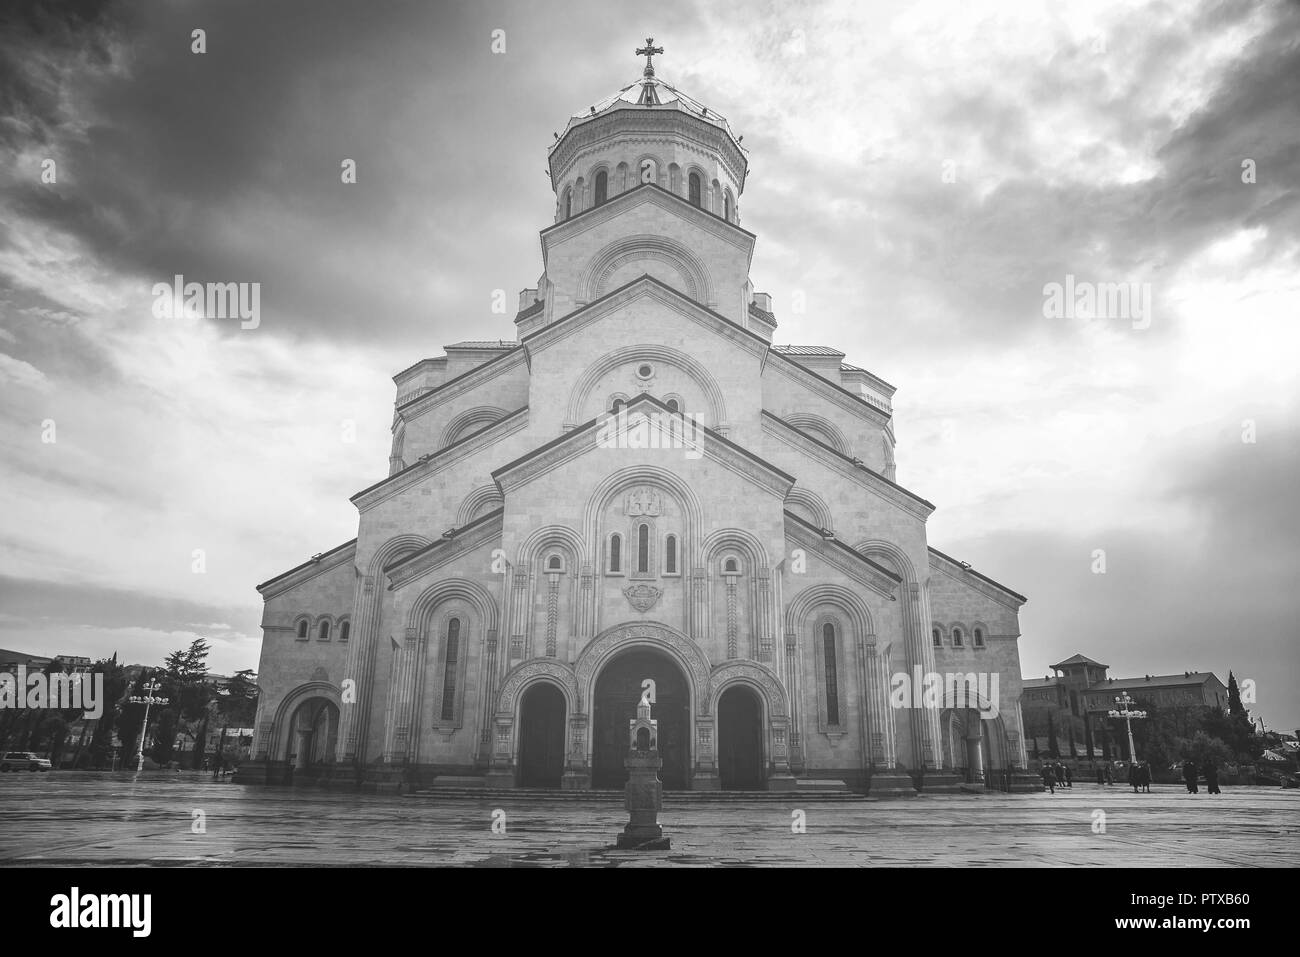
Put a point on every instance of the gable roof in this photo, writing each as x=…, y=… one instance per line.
x=714, y=441
x=308, y=569
x=964, y=567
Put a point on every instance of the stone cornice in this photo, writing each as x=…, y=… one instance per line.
x=465, y=382
x=582, y=440
x=453, y=544
x=639, y=195
x=824, y=388
x=645, y=285
x=435, y=462
x=654, y=123
x=294, y=577
x=972, y=579
x=843, y=558
x=891, y=492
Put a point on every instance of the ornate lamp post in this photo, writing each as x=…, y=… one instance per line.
x=147, y=699
x=1124, y=712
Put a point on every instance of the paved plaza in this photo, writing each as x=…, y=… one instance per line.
x=66, y=818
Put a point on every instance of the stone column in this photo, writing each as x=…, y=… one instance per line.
x=796, y=701
x=354, y=717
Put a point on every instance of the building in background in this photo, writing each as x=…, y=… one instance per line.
x=1073, y=706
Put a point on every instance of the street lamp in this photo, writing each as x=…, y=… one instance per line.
x=1124, y=712
x=146, y=699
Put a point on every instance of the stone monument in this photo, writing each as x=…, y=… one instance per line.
x=645, y=792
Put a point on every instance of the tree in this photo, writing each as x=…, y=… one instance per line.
x=1234, y=696
x=238, y=703
x=1204, y=750
x=164, y=736
x=115, y=691
x=185, y=671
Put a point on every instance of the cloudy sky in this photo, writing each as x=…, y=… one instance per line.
x=919, y=172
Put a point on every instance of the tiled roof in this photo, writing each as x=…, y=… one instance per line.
x=763, y=314
x=849, y=367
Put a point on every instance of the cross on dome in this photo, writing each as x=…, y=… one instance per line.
x=648, y=51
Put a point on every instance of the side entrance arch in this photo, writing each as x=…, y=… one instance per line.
x=542, y=721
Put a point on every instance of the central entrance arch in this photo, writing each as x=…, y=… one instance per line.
x=618, y=690
x=541, y=736
x=740, y=740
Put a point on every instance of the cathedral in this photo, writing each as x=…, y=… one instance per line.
x=641, y=493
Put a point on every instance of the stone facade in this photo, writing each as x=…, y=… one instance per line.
x=639, y=480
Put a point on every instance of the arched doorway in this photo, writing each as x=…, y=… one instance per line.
x=315, y=727
x=740, y=740
x=618, y=690
x=541, y=736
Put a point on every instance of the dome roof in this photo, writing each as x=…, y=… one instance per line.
x=648, y=93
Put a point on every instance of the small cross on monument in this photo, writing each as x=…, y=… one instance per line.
x=648, y=51
x=1124, y=701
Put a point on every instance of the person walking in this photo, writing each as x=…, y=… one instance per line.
x=1101, y=777
x=1134, y=777
x=1049, y=778
x=1069, y=777
x=1110, y=773
x=1211, y=779
x=1189, y=776
x=1146, y=777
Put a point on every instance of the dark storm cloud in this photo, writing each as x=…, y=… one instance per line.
x=1219, y=596
x=31, y=604
x=226, y=165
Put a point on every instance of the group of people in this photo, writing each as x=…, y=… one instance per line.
x=1139, y=777
x=1190, y=773
x=1055, y=773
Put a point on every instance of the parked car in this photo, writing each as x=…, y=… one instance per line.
x=23, y=761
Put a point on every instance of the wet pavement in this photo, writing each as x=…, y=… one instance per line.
x=161, y=818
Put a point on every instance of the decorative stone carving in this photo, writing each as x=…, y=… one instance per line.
x=643, y=597
x=652, y=634
x=320, y=674
x=755, y=674
x=525, y=673
x=643, y=500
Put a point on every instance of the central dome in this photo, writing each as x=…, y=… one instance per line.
x=647, y=132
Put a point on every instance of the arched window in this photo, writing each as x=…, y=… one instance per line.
x=324, y=633
x=728, y=212
x=670, y=555
x=731, y=567
x=450, y=668
x=568, y=203
x=938, y=638
x=302, y=628
x=616, y=552
x=643, y=548
x=673, y=405
x=554, y=564
x=979, y=638
x=602, y=187
x=832, y=679
x=345, y=630
x=693, y=188
x=617, y=407
x=956, y=637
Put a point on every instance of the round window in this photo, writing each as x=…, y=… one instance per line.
x=645, y=370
